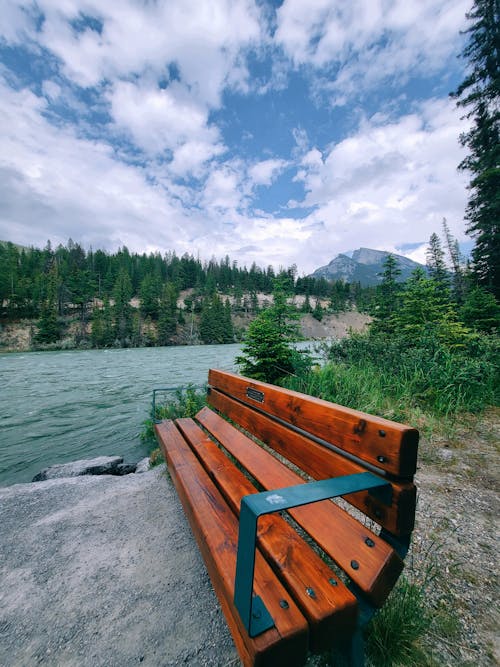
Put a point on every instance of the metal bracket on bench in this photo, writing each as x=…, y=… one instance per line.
x=252, y=610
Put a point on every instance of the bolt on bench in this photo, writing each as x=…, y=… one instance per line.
x=310, y=581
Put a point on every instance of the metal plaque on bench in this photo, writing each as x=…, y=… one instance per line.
x=255, y=395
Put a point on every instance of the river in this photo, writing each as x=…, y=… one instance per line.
x=63, y=406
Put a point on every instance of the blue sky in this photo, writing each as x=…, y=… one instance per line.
x=273, y=132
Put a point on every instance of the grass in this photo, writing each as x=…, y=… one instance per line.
x=426, y=384
x=156, y=457
x=394, y=637
x=419, y=611
x=185, y=402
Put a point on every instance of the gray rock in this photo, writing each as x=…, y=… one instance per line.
x=104, y=572
x=102, y=465
x=125, y=468
x=143, y=465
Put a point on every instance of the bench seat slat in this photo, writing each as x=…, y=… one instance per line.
x=365, y=436
x=216, y=529
x=322, y=463
x=332, y=611
x=373, y=568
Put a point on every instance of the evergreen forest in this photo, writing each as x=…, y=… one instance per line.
x=79, y=298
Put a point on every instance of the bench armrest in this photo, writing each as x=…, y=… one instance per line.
x=252, y=609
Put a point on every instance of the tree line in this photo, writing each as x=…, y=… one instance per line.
x=129, y=299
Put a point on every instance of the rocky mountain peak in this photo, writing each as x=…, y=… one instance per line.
x=365, y=266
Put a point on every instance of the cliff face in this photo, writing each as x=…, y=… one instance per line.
x=365, y=267
x=16, y=337
x=342, y=267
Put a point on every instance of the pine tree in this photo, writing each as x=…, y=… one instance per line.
x=108, y=336
x=167, y=321
x=456, y=261
x=96, y=328
x=215, y=321
x=136, y=337
x=386, y=301
x=479, y=93
x=306, y=306
x=424, y=311
x=435, y=262
x=267, y=353
x=48, y=324
x=238, y=298
x=338, y=296
x=254, y=302
x=149, y=294
x=122, y=293
x=228, y=323
x=481, y=311
x=149, y=333
x=317, y=313
x=101, y=330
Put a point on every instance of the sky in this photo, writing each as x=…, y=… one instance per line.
x=272, y=132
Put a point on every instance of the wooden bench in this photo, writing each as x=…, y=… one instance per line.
x=318, y=572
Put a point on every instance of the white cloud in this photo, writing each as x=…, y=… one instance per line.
x=301, y=139
x=51, y=90
x=368, y=42
x=191, y=158
x=57, y=185
x=266, y=171
x=223, y=190
x=388, y=183
x=130, y=48
x=418, y=254
x=203, y=38
x=160, y=119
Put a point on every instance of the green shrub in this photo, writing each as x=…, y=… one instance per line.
x=185, y=402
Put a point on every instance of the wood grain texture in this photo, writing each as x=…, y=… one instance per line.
x=367, y=559
x=332, y=609
x=215, y=528
x=380, y=442
x=322, y=463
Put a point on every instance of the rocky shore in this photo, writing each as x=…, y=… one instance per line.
x=102, y=465
x=102, y=571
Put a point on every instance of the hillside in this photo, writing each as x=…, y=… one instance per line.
x=16, y=336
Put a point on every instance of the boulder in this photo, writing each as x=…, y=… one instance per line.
x=102, y=465
x=143, y=465
x=125, y=469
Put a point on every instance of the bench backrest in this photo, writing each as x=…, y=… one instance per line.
x=326, y=440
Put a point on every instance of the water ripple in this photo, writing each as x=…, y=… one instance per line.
x=61, y=406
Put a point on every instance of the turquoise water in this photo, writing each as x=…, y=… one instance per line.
x=63, y=406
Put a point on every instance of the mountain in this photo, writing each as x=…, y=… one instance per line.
x=365, y=266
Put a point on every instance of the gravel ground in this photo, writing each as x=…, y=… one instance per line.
x=456, y=541
x=104, y=571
